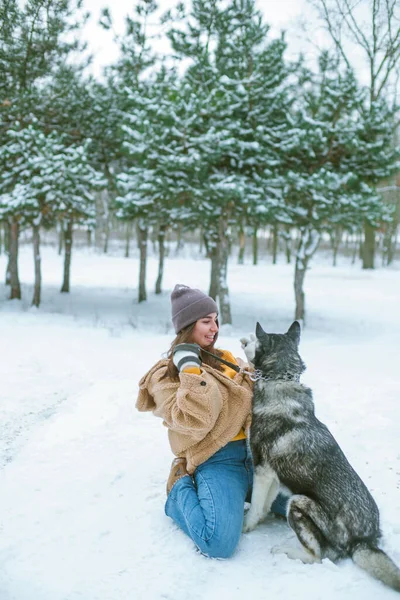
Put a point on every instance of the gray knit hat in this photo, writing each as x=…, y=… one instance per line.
x=188, y=305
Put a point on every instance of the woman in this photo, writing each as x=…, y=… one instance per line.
x=206, y=407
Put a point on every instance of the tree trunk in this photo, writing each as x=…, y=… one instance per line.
x=255, y=246
x=299, y=275
x=275, y=239
x=106, y=220
x=336, y=238
x=206, y=246
x=128, y=235
x=308, y=245
x=60, y=238
x=65, y=288
x=355, y=248
x=223, y=290
x=7, y=236
x=201, y=242
x=37, y=263
x=89, y=241
x=142, y=236
x=242, y=245
x=15, y=291
x=213, y=254
x=391, y=236
x=392, y=246
x=161, y=256
x=288, y=243
x=179, y=240
x=1, y=238
x=368, y=253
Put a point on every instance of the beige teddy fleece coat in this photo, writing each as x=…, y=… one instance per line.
x=202, y=412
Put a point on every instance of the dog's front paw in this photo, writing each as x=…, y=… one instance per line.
x=249, y=346
x=249, y=523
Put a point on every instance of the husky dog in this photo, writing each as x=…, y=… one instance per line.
x=331, y=511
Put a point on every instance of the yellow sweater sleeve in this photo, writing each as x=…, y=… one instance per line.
x=193, y=370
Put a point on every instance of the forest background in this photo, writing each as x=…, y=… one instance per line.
x=218, y=136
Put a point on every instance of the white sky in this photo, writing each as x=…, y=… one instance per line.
x=287, y=15
x=284, y=14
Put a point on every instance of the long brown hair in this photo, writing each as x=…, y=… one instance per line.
x=185, y=337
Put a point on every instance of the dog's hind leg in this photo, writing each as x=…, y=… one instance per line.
x=265, y=490
x=311, y=525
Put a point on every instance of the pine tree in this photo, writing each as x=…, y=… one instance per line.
x=36, y=40
x=128, y=81
x=330, y=161
x=45, y=181
x=155, y=189
x=240, y=80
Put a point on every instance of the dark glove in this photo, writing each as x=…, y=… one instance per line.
x=186, y=355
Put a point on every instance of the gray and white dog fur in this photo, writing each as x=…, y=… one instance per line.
x=331, y=510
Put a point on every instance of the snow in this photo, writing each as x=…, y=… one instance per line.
x=82, y=473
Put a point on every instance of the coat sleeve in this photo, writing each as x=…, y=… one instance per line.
x=191, y=407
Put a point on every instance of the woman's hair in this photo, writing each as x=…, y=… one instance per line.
x=185, y=337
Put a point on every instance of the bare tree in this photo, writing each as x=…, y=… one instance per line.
x=373, y=26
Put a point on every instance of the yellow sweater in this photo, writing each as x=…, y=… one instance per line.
x=229, y=372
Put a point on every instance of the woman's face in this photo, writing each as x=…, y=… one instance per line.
x=204, y=331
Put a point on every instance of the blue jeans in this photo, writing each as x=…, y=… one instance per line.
x=210, y=509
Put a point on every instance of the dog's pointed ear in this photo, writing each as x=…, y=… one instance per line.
x=294, y=332
x=260, y=333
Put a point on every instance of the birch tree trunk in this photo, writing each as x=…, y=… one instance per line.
x=161, y=256
x=65, y=288
x=308, y=245
x=15, y=291
x=142, y=236
x=223, y=290
x=37, y=265
x=288, y=244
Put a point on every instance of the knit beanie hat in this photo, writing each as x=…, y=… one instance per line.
x=188, y=305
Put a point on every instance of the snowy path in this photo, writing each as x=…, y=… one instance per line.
x=82, y=474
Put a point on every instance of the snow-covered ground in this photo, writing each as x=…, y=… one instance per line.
x=82, y=473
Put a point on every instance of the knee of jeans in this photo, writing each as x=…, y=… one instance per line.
x=215, y=548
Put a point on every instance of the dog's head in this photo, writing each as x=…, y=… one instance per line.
x=275, y=354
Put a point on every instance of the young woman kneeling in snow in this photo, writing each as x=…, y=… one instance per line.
x=206, y=406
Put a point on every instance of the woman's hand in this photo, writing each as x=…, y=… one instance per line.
x=186, y=355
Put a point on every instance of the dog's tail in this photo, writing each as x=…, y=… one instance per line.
x=377, y=563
